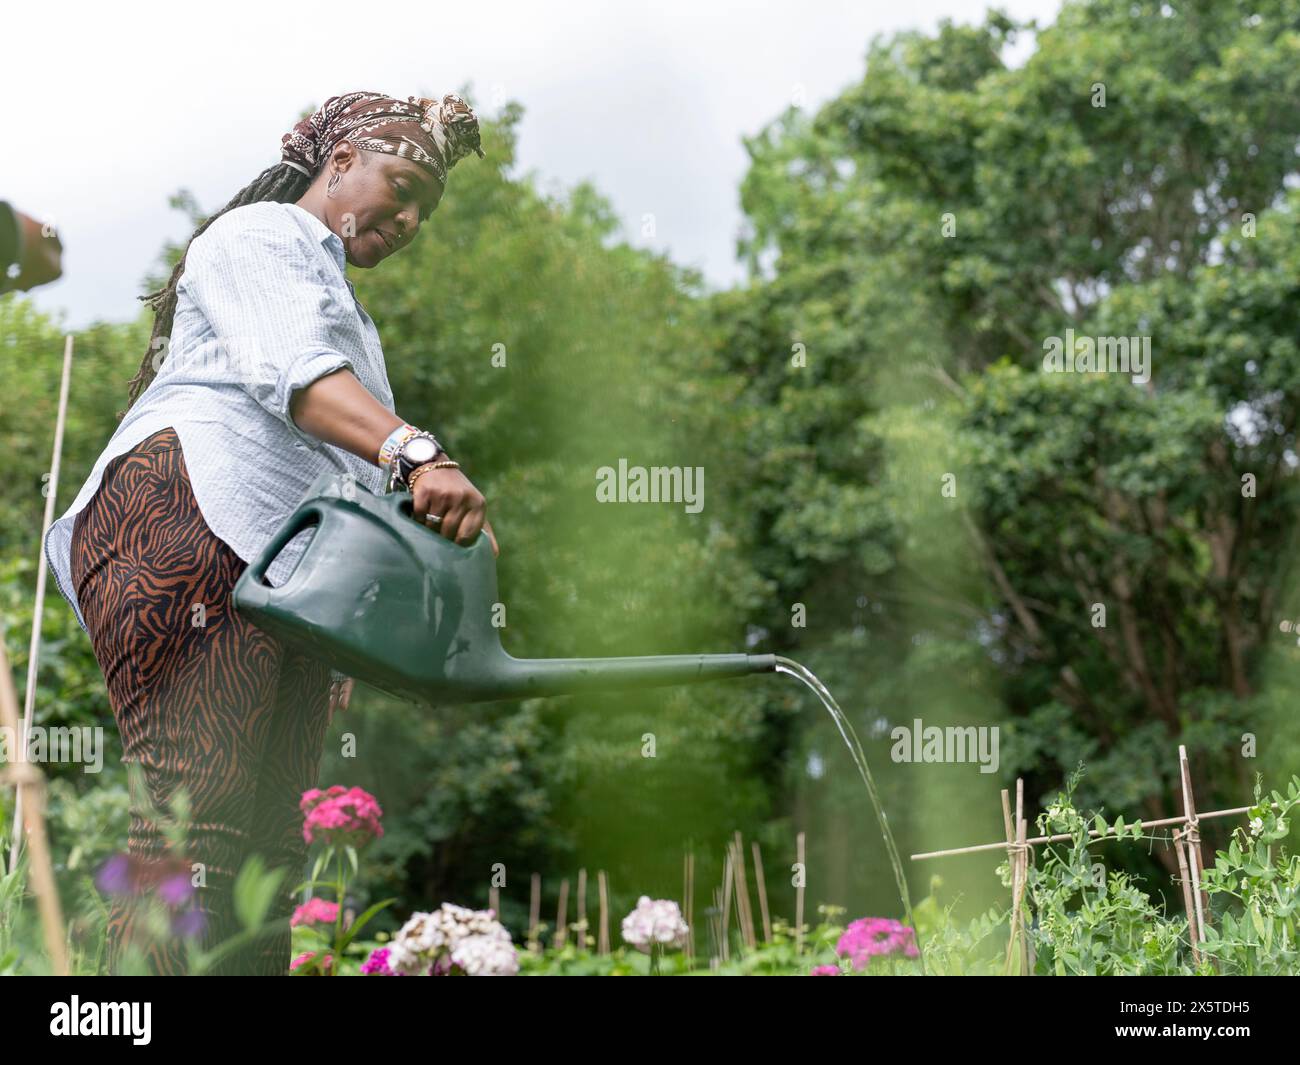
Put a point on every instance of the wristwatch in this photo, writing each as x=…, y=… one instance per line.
x=415, y=451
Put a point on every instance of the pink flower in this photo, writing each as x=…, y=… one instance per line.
x=874, y=937
x=340, y=816
x=825, y=970
x=377, y=964
x=315, y=911
x=303, y=959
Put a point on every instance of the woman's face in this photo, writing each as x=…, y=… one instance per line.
x=379, y=202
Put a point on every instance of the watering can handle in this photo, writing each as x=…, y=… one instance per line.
x=302, y=519
x=400, y=502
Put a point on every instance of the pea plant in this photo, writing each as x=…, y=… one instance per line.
x=1085, y=920
x=1260, y=885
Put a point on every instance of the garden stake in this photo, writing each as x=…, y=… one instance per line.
x=535, y=913
x=715, y=936
x=738, y=886
x=1192, y=833
x=744, y=909
x=762, y=893
x=494, y=900
x=1015, y=946
x=1185, y=877
x=1060, y=836
x=688, y=903
x=727, y=876
x=580, y=916
x=798, y=893
x=562, y=916
x=602, y=944
x=27, y=777
x=1011, y=864
x=34, y=649
x=1024, y=849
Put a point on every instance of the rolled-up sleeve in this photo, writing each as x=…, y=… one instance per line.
x=279, y=321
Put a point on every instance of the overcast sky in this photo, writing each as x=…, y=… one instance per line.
x=114, y=107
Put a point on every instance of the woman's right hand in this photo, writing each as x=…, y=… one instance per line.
x=448, y=493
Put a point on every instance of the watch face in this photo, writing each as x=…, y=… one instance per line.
x=419, y=450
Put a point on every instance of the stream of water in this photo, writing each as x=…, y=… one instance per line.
x=787, y=665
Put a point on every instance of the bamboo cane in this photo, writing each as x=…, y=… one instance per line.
x=562, y=916
x=1192, y=834
x=602, y=944
x=1011, y=864
x=798, y=893
x=1162, y=823
x=727, y=877
x=1013, y=948
x=34, y=650
x=1190, y=906
x=688, y=904
x=1024, y=887
x=715, y=930
x=534, y=912
x=761, y=884
x=29, y=778
x=580, y=915
x=744, y=911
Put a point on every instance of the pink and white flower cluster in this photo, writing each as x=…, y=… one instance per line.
x=453, y=938
x=341, y=817
x=655, y=922
x=875, y=937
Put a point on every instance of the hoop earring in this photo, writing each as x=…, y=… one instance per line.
x=333, y=183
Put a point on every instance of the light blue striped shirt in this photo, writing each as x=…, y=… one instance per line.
x=263, y=307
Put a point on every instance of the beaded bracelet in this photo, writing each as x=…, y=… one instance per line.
x=446, y=464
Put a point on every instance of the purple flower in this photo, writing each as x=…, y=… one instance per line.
x=189, y=924
x=114, y=876
x=825, y=970
x=175, y=890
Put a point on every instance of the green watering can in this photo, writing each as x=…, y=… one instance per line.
x=389, y=601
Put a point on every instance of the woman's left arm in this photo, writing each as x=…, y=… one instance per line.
x=339, y=409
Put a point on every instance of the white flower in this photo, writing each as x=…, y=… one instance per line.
x=655, y=921
x=1256, y=825
x=486, y=955
x=430, y=937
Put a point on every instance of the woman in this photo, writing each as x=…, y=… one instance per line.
x=263, y=371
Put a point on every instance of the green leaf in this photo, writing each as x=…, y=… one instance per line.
x=255, y=890
x=356, y=926
x=319, y=864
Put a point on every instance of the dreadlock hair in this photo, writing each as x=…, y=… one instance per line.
x=280, y=183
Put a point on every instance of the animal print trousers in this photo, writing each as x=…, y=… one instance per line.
x=204, y=701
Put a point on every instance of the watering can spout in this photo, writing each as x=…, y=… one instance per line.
x=397, y=605
x=526, y=677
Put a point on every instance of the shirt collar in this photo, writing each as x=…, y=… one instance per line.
x=331, y=240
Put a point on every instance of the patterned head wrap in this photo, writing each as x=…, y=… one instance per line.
x=434, y=134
